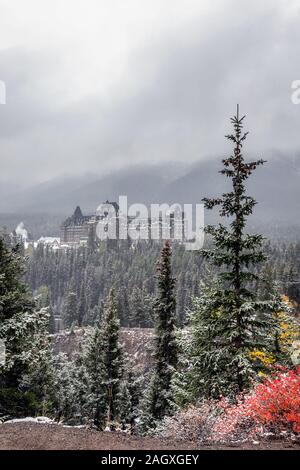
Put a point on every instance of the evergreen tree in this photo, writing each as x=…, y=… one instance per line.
x=92, y=316
x=70, y=310
x=130, y=397
x=52, y=324
x=105, y=367
x=24, y=333
x=161, y=394
x=39, y=379
x=137, y=314
x=229, y=320
x=125, y=405
x=73, y=402
x=82, y=308
x=97, y=378
x=141, y=314
x=123, y=306
x=42, y=300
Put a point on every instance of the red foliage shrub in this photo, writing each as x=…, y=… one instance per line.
x=273, y=404
x=277, y=401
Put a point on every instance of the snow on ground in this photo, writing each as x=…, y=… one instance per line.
x=39, y=420
x=29, y=419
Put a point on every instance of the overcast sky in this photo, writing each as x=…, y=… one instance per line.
x=96, y=85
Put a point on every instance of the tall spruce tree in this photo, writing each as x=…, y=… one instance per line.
x=42, y=300
x=106, y=367
x=82, y=307
x=97, y=398
x=228, y=319
x=70, y=309
x=161, y=393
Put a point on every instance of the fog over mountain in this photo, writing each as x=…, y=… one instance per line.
x=99, y=87
x=134, y=98
x=275, y=186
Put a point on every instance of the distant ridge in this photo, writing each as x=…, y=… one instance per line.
x=276, y=186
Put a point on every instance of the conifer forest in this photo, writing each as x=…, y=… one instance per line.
x=149, y=243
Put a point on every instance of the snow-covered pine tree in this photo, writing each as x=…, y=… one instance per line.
x=141, y=312
x=73, y=401
x=112, y=357
x=123, y=306
x=97, y=377
x=39, y=380
x=104, y=361
x=124, y=405
x=24, y=332
x=228, y=319
x=137, y=313
x=51, y=324
x=70, y=309
x=82, y=307
x=42, y=300
x=130, y=396
x=160, y=394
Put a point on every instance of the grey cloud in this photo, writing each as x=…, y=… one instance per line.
x=182, y=89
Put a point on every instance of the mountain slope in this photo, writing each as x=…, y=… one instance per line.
x=275, y=186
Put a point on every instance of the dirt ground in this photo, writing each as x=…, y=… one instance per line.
x=35, y=436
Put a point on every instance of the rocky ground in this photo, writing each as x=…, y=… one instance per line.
x=46, y=436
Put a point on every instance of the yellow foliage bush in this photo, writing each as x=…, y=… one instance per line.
x=284, y=339
x=263, y=358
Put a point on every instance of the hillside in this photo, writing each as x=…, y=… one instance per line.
x=137, y=343
x=163, y=183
